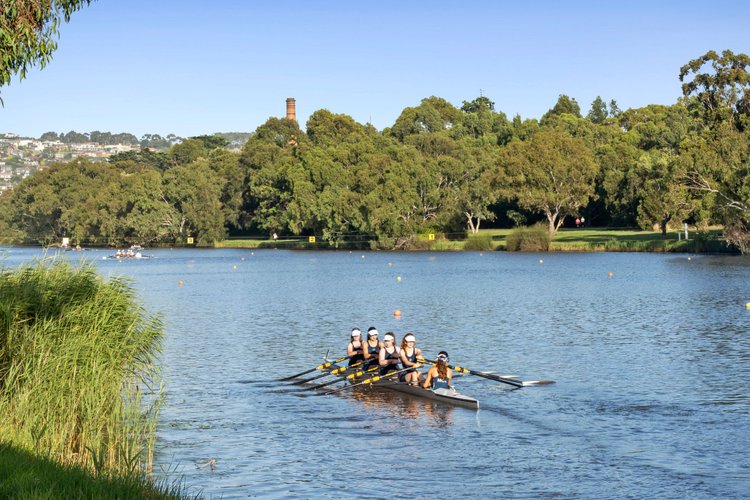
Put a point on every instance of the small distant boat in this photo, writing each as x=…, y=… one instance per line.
x=129, y=254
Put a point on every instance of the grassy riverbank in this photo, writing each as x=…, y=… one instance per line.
x=25, y=474
x=566, y=240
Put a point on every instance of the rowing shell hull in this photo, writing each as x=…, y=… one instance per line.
x=449, y=396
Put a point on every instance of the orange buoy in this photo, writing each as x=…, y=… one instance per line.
x=180, y=282
x=397, y=313
x=610, y=274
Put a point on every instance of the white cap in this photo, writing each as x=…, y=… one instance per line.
x=389, y=336
x=410, y=337
x=356, y=332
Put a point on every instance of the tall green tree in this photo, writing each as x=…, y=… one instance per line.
x=564, y=105
x=598, y=112
x=663, y=198
x=718, y=160
x=194, y=191
x=724, y=91
x=552, y=173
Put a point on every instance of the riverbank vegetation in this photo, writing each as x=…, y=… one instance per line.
x=437, y=169
x=79, y=383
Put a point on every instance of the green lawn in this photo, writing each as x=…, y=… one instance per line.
x=566, y=240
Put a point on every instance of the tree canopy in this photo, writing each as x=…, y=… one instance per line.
x=28, y=32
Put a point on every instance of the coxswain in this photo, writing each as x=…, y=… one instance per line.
x=439, y=376
x=354, y=349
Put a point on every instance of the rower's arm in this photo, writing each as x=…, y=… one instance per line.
x=366, y=350
x=404, y=360
x=381, y=357
x=428, y=380
x=350, y=351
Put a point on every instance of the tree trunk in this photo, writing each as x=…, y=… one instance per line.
x=470, y=223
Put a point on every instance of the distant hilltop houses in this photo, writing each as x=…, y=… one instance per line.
x=22, y=156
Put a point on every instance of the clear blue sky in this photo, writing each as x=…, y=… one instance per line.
x=196, y=67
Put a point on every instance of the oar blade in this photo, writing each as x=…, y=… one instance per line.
x=527, y=383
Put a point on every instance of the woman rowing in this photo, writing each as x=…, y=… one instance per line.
x=409, y=355
x=354, y=348
x=389, y=355
x=439, y=376
x=371, y=348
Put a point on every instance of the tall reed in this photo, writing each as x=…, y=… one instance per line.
x=78, y=375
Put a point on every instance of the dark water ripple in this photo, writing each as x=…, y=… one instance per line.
x=652, y=367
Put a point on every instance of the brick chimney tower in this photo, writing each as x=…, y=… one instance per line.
x=291, y=109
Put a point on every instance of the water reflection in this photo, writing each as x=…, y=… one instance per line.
x=399, y=406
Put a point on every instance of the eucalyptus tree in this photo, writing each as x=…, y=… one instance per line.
x=266, y=157
x=147, y=217
x=28, y=32
x=194, y=190
x=564, y=105
x=328, y=129
x=226, y=165
x=718, y=162
x=62, y=200
x=552, y=173
x=432, y=115
x=724, y=91
x=663, y=199
x=187, y=151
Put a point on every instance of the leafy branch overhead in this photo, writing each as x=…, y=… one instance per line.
x=28, y=33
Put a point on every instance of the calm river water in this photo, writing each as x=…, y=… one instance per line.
x=652, y=366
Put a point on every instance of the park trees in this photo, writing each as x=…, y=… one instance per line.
x=194, y=191
x=552, y=173
x=718, y=163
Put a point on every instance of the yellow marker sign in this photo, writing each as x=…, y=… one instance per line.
x=431, y=236
x=190, y=240
x=311, y=239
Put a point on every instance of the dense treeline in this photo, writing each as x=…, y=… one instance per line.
x=438, y=168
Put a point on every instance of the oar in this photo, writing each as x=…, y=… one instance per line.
x=319, y=367
x=371, y=380
x=497, y=378
x=332, y=372
x=348, y=377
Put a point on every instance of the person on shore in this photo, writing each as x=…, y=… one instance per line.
x=389, y=355
x=409, y=354
x=439, y=376
x=371, y=348
x=354, y=348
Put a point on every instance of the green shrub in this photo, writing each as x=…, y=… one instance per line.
x=528, y=239
x=480, y=243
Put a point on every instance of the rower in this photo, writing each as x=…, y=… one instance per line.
x=439, y=376
x=371, y=348
x=354, y=348
x=388, y=357
x=409, y=354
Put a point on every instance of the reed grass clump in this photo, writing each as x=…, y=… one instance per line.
x=480, y=243
x=528, y=239
x=79, y=381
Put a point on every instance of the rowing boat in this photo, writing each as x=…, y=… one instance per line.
x=450, y=396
